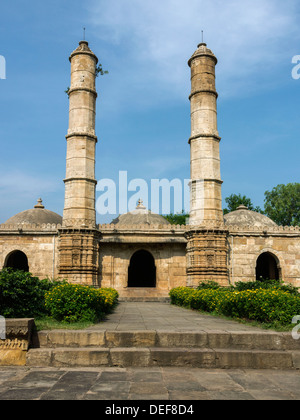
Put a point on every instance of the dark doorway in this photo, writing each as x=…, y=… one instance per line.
x=18, y=261
x=266, y=267
x=142, y=270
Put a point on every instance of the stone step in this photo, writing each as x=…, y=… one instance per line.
x=143, y=294
x=160, y=356
x=234, y=340
x=144, y=299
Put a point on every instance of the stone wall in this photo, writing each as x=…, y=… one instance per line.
x=166, y=244
x=247, y=244
x=39, y=244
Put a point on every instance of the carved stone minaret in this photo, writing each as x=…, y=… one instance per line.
x=207, y=236
x=80, y=180
x=78, y=239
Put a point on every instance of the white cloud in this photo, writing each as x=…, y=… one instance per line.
x=154, y=39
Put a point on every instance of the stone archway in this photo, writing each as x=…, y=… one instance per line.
x=142, y=270
x=267, y=267
x=17, y=260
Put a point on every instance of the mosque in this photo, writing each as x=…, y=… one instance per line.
x=140, y=253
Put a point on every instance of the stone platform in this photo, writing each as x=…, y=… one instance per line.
x=152, y=334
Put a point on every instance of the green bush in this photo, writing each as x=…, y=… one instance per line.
x=208, y=285
x=263, y=305
x=21, y=294
x=73, y=303
x=265, y=284
x=182, y=296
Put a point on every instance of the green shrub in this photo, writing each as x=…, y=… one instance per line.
x=263, y=305
x=21, y=294
x=73, y=303
x=265, y=284
x=208, y=285
x=182, y=296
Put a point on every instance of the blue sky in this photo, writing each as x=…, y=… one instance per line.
x=143, y=111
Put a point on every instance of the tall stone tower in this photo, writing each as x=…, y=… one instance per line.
x=207, y=236
x=78, y=236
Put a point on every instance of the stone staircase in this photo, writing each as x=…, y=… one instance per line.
x=90, y=348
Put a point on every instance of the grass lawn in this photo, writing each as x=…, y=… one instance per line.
x=48, y=323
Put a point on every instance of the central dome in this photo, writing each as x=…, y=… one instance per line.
x=140, y=216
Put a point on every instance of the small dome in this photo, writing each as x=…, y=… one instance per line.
x=243, y=216
x=38, y=215
x=201, y=51
x=140, y=216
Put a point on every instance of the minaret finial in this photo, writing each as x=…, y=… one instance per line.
x=84, y=33
x=202, y=37
x=39, y=204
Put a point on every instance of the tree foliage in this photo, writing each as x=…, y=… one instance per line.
x=177, y=219
x=236, y=200
x=282, y=204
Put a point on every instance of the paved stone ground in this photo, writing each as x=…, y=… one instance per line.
x=155, y=383
x=176, y=384
x=140, y=316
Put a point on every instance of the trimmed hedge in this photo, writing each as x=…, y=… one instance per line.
x=71, y=302
x=263, y=305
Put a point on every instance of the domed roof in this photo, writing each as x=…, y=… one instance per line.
x=243, y=216
x=140, y=216
x=38, y=215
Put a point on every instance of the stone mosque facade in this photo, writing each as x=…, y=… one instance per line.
x=140, y=253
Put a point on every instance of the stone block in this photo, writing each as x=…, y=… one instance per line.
x=18, y=334
x=253, y=340
x=124, y=357
x=229, y=359
x=130, y=338
x=80, y=357
x=58, y=338
x=202, y=358
x=272, y=360
x=12, y=357
x=39, y=358
x=296, y=359
x=218, y=339
x=179, y=339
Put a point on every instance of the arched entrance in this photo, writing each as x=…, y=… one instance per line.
x=17, y=260
x=142, y=270
x=267, y=267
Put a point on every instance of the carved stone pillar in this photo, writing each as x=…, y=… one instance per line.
x=79, y=255
x=207, y=256
x=207, y=235
x=79, y=238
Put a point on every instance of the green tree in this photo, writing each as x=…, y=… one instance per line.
x=177, y=219
x=236, y=200
x=282, y=204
